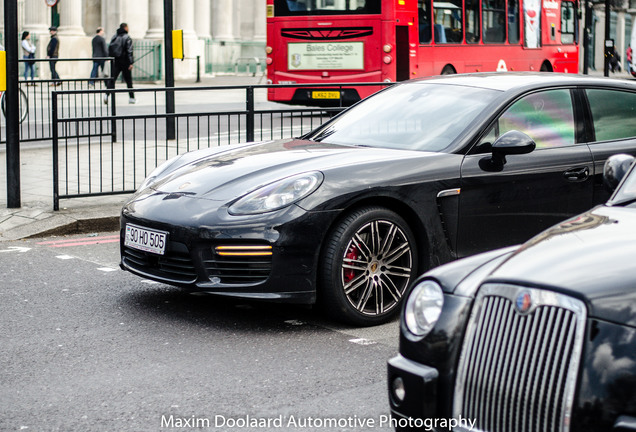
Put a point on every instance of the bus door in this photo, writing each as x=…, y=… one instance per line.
x=402, y=49
x=406, y=38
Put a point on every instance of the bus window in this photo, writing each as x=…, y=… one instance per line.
x=424, y=20
x=472, y=21
x=513, y=21
x=448, y=21
x=568, y=22
x=493, y=16
x=326, y=7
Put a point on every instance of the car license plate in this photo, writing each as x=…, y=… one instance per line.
x=145, y=239
x=325, y=95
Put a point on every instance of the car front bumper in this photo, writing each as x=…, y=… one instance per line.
x=197, y=260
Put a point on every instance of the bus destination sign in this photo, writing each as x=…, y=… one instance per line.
x=331, y=55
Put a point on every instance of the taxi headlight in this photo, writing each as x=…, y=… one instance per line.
x=423, y=308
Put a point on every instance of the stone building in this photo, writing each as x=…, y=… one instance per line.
x=221, y=32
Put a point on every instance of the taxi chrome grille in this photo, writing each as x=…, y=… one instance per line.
x=239, y=264
x=518, y=368
x=175, y=266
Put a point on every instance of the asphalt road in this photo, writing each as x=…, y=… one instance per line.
x=88, y=347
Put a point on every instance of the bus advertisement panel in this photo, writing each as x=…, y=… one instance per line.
x=358, y=41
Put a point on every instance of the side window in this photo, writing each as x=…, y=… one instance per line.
x=448, y=21
x=547, y=117
x=568, y=22
x=613, y=113
x=473, y=34
x=513, y=21
x=424, y=21
x=494, y=21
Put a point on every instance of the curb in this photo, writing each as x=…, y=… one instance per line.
x=63, y=224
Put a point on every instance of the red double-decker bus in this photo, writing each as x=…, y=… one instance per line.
x=356, y=41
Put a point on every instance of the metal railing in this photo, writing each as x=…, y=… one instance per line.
x=37, y=125
x=112, y=153
x=222, y=56
x=147, y=60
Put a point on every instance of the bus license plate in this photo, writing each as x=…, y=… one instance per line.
x=325, y=95
x=145, y=239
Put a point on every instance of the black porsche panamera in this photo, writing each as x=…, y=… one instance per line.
x=419, y=174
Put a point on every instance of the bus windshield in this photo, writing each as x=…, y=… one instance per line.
x=326, y=7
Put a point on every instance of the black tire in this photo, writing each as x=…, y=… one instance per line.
x=368, y=262
x=448, y=70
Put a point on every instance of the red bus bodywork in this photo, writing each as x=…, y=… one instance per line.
x=392, y=51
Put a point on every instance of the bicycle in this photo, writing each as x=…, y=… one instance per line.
x=23, y=104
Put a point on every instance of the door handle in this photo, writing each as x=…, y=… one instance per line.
x=577, y=174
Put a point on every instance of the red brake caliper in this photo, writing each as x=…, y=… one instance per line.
x=352, y=254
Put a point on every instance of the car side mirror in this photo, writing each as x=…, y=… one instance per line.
x=615, y=169
x=510, y=143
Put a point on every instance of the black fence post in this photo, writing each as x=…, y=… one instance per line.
x=113, y=105
x=169, y=74
x=56, y=174
x=249, y=94
x=11, y=100
x=198, y=69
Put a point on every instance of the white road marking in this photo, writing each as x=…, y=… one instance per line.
x=18, y=249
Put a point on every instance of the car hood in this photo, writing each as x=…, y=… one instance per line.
x=590, y=256
x=225, y=175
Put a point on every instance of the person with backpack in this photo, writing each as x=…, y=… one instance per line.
x=121, y=48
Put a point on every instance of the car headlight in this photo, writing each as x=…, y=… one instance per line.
x=277, y=195
x=423, y=308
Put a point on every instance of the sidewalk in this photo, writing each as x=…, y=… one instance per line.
x=36, y=216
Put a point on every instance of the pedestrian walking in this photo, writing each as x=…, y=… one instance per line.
x=100, y=50
x=121, y=48
x=53, y=52
x=28, y=52
x=628, y=56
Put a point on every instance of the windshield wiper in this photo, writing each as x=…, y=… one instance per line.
x=324, y=134
x=624, y=202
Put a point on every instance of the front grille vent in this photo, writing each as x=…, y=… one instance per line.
x=519, y=360
x=239, y=264
x=175, y=266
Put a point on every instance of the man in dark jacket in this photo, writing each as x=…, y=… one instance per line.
x=100, y=50
x=121, y=48
x=53, y=52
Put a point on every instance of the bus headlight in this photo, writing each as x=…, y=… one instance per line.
x=387, y=59
x=423, y=308
x=387, y=48
x=268, y=50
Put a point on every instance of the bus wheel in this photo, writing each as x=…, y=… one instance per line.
x=546, y=67
x=368, y=262
x=448, y=70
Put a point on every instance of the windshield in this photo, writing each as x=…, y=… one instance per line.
x=419, y=116
x=326, y=7
x=626, y=193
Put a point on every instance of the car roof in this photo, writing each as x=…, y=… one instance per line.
x=505, y=81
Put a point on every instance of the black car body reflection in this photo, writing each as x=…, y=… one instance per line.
x=540, y=337
x=415, y=176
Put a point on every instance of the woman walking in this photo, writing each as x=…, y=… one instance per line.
x=28, y=50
